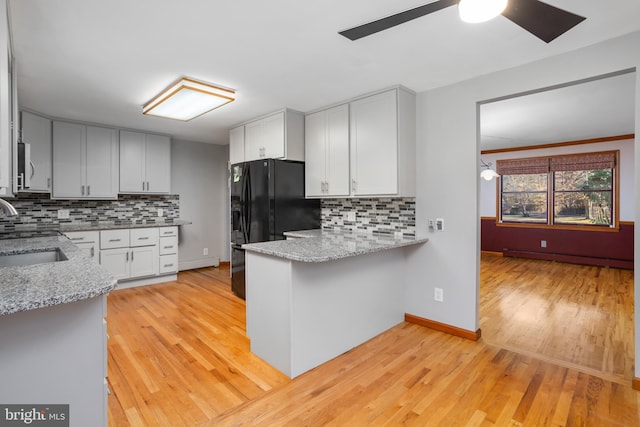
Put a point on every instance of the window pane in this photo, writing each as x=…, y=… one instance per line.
x=596, y=179
x=524, y=207
x=583, y=207
x=528, y=182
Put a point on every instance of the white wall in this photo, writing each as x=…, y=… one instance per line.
x=448, y=176
x=627, y=195
x=199, y=176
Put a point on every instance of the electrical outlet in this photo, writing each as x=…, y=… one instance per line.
x=397, y=234
x=438, y=295
x=205, y=251
x=543, y=243
x=160, y=212
x=351, y=216
x=63, y=213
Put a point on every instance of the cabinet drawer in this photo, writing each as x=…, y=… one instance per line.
x=168, y=263
x=83, y=236
x=168, y=245
x=114, y=239
x=144, y=237
x=168, y=231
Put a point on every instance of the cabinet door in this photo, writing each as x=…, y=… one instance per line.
x=253, y=141
x=132, y=162
x=116, y=261
x=374, y=143
x=236, y=145
x=69, y=165
x=102, y=163
x=36, y=130
x=273, y=136
x=315, y=154
x=144, y=261
x=90, y=249
x=337, y=151
x=158, y=164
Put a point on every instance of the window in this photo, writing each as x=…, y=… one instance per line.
x=573, y=190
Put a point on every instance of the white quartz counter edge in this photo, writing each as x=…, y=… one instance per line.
x=322, y=246
x=40, y=285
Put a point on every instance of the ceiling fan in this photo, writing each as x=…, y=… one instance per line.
x=540, y=19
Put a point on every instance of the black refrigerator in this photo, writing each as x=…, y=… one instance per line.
x=267, y=199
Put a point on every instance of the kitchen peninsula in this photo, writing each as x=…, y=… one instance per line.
x=320, y=293
x=52, y=328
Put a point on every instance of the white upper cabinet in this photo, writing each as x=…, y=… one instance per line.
x=85, y=162
x=36, y=131
x=382, y=144
x=236, y=145
x=277, y=136
x=8, y=108
x=327, y=152
x=145, y=163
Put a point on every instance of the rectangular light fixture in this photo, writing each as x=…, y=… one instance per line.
x=188, y=98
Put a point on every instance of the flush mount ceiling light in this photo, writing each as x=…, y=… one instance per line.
x=474, y=11
x=188, y=98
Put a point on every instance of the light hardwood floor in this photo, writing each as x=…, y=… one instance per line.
x=178, y=356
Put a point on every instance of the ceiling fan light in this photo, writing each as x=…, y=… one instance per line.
x=474, y=11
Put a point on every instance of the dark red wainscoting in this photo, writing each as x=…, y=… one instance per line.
x=612, y=249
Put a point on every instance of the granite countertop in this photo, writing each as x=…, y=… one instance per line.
x=327, y=245
x=41, y=285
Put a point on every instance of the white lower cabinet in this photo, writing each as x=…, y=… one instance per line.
x=168, y=250
x=135, y=256
x=88, y=241
x=130, y=254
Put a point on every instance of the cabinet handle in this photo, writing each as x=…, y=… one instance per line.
x=142, y=185
x=167, y=265
x=127, y=258
x=167, y=247
x=82, y=190
x=93, y=252
x=48, y=182
x=353, y=185
x=143, y=238
x=114, y=240
x=88, y=190
x=147, y=185
x=131, y=256
x=33, y=169
x=167, y=232
x=77, y=238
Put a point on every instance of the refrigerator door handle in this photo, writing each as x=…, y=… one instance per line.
x=248, y=204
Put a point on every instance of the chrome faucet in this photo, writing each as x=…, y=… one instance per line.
x=8, y=208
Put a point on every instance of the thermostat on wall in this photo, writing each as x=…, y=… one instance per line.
x=439, y=224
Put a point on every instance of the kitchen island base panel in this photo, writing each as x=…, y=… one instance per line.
x=300, y=315
x=57, y=355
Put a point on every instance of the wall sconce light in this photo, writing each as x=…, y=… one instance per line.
x=487, y=174
x=187, y=99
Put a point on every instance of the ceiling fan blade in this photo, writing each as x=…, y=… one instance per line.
x=364, y=30
x=542, y=20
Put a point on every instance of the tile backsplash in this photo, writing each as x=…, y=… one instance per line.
x=38, y=210
x=375, y=215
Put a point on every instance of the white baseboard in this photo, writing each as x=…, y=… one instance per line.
x=146, y=281
x=198, y=263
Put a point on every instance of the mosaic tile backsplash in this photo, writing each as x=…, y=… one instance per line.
x=38, y=210
x=376, y=215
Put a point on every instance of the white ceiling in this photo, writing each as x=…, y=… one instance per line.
x=595, y=109
x=99, y=61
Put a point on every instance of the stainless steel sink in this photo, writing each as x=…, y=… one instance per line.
x=30, y=258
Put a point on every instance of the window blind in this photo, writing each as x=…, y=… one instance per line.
x=582, y=162
x=523, y=166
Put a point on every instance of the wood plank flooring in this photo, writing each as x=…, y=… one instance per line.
x=178, y=356
x=569, y=314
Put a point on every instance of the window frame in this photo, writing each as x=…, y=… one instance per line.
x=551, y=224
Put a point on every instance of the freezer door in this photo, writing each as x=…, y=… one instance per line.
x=237, y=271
